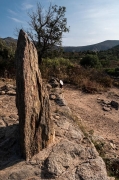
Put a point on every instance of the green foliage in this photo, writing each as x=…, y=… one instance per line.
x=7, y=56
x=110, y=57
x=100, y=147
x=90, y=61
x=55, y=67
x=57, y=62
x=105, y=63
x=48, y=26
x=88, y=79
x=113, y=71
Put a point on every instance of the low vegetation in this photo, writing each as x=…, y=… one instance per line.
x=7, y=58
x=88, y=79
x=90, y=71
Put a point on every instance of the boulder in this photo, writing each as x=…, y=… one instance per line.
x=54, y=82
x=32, y=100
x=115, y=104
x=2, y=92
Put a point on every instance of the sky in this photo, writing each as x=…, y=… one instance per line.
x=90, y=21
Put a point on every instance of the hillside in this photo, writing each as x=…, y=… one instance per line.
x=102, y=46
x=105, y=45
x=9, y=40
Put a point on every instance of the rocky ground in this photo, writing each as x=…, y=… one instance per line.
x=99, y=118
x=71, y=156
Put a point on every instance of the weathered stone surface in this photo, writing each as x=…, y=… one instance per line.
x=11, y=93
x=115, y=104
x=106, y=108
x=108, y=104
x=8, y=89
x=72, y=156
x=32, y=100
x=2, y=92
x=54, y=82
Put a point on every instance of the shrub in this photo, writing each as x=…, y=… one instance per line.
x=57, y=67
x=90, y=61
x=90, y=80
x=99, y=147
x=113, y=71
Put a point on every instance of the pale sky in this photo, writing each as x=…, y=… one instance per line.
x=90, y=21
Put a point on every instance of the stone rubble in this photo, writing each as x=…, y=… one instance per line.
x=108, y=105
x=70, y=155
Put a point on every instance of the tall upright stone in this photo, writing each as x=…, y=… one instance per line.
x=32, y=100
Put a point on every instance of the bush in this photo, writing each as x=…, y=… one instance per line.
x=113, y=71
x=57, y=67
x=90, y=61
x=90, y=80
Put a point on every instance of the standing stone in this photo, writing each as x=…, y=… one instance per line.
x=32, y=100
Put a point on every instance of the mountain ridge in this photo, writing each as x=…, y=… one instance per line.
x=101, y=46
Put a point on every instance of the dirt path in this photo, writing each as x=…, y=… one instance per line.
x=103, y=123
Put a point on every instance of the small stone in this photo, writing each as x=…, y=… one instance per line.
x=14, y=116
x=56, y=117
x=2, y=124
x=2, y=92
x=113, y=145
x=52, y=96
x=115, y=104
x=106, y=102
x=11, y=93
x=54, y=82
x=98, y=99
x=106, y=108
x=49, y=87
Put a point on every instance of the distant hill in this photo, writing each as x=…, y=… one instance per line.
x=9, y=40
x=102, y=46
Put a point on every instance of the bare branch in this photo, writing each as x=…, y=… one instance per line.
x=48, y=26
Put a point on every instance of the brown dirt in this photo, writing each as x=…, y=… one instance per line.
x=71, y=151
x=104, y=124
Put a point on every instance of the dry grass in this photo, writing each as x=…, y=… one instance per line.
x=89, y=80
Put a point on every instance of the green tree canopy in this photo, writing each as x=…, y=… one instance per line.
x=90, y=61
x=47, y=28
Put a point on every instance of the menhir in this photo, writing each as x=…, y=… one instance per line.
x=32, y=100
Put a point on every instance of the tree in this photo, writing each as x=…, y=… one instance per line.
x=90, y=61
x=47, y=28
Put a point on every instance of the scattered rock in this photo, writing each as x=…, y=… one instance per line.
x=52, y=96
x=108, y=104
x=2, y=123
x=2, y=92
x=106, y=108
x=71, y=156
x=113, y=145
x=8, y=89
x=115, y=105
x=54, y=82
x=49, y=87
x=14, y=116
x=11, y=93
